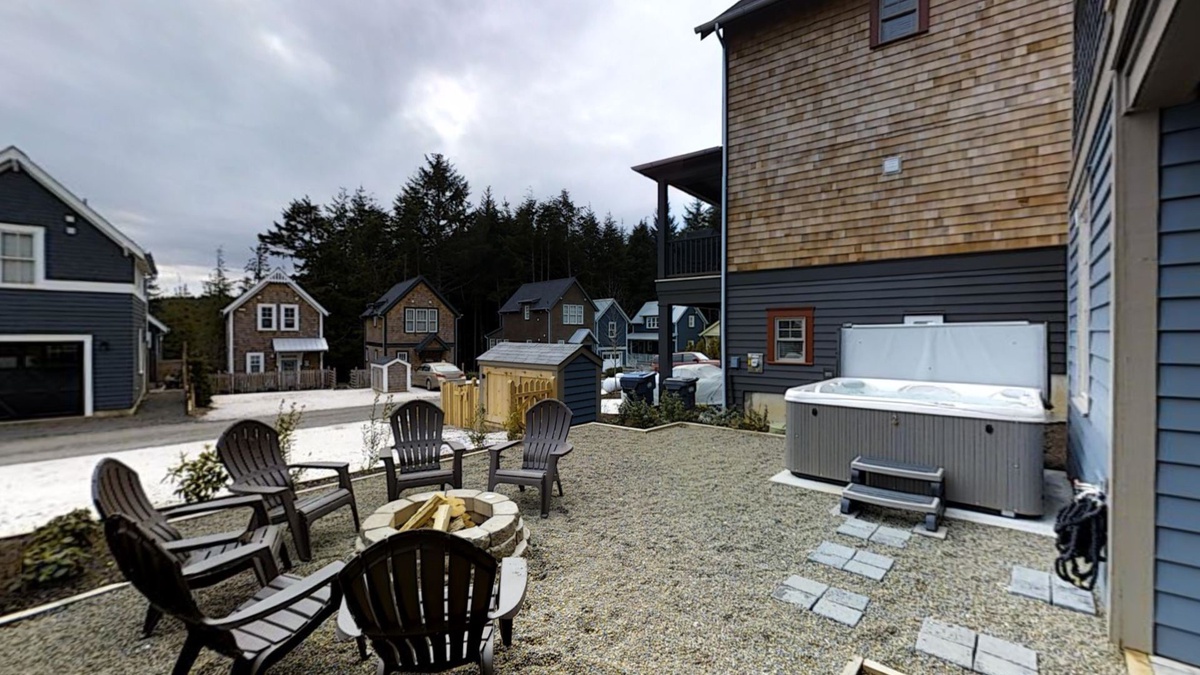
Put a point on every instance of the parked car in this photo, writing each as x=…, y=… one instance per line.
x=680, y=358
x=433, y=375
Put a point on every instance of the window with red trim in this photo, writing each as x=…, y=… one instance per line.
x=790, y=336
x=893, y=20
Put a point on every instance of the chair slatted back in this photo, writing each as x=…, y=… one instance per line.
x=422, y=598
x=417, y=433
x=251, y=454
x=546, y=426
x=150, y=568
x=117, y=490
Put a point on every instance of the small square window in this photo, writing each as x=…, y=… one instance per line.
x=255, y=362
x=790, y=336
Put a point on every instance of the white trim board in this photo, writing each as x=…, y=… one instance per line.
x=88, y=367
x=276, y=277
x=41, y=283
x=1056, y=495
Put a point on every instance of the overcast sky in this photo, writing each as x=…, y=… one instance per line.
x=191, y=124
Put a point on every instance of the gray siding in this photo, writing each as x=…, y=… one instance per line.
x=1089, y=437
x=1177, y=567
x=88, y=255
x=1019, y=285
x=112, y=319
x=684, y=334
x=581, y=389
x=603, y=342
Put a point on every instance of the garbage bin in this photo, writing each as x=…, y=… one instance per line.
x=638, y=386
x=684, y=388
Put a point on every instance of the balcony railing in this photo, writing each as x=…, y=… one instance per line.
x=1089, y=29
x=691, y=254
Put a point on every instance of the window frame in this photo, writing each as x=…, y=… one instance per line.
x=612, y=330
x=773, y=317
x=526, y=310
x=38, y=248
x=922, y=12
x=691, y=320
x=572, y=310
x=258, y=312
x=651, y=319
x=282, y=314
x=416, y=317
x=262, y=362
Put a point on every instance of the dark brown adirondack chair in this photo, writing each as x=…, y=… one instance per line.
x=250, y=452
x=427, y=601
x=256, y=635
x=417, y=434
x=204, y=561
x=546, y=426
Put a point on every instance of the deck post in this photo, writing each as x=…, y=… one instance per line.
x=666, y=345
x=663, y=229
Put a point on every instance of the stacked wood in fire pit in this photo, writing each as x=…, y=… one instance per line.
x=439, y=512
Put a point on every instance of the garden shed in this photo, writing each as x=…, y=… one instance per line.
x=518, y=374
x=392, y=375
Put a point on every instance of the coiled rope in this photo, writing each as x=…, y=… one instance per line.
x=1082, y=529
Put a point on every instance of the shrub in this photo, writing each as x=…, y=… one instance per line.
x=61, y=549
x=613, y=372
x=286, y=423
x=638, y=414
x=753, y=420
x=514, y=425
x=670, y=409
x=198, y=371
x=376, y=432
x=198, y=479
x=477, y=434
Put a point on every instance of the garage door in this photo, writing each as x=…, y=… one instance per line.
x=40, y=379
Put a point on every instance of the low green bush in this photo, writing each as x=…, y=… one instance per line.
x=514, y=425
x=670, y=408
x=61, y=549
x=198, y=371
x=638, y=414
x=198, y=479
x=477, y=434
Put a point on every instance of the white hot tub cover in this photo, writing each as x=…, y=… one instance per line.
x=979, y=401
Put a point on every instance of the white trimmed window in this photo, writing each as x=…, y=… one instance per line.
x=289, y=317
x=20, y=255
x=573, y=315
x=420, y=320
x=526, y=307
x=402, y=354
x=691, y=320
x=267, y=317
x=652, y=322
x=612, y=329
x=255, y=362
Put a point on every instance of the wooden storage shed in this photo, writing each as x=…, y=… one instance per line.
x=518, y=372
x=394, y=375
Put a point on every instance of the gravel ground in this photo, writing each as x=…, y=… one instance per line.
x=660, y=558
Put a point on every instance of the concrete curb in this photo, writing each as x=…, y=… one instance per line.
x=32, y=612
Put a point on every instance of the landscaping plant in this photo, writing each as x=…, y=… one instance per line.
x=201, y=385
x=670, y=409
x=198, y=479
x=61, y=549
x=638, y=414
x=286, y=423
x=376, y=433
x=477, y=434
x=514, y=425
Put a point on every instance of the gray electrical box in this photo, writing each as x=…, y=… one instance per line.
x=754, y=363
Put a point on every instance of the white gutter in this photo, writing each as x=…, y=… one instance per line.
x=724, y=207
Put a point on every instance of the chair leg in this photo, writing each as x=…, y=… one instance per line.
x=303, y=545
x=285, y=560
x=485, y=657
x=187, y=656
x=506, y=626
x=152, y=618
x=546, y=488
x=362, y=647
x=521, y=488
x=354, y=513
x=558, y=482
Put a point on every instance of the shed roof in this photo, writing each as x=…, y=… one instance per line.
x=580, y=335
x=539, y=295
x=535, y=353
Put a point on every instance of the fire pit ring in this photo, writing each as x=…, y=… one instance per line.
x=500, y=531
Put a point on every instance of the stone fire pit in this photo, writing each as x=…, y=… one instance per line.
x=500, y=530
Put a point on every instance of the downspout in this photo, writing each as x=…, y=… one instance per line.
x=724, y=207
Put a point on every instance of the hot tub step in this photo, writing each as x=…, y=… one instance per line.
x=887, y=467
x=932, y=507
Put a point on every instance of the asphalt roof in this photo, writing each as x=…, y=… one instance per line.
x=397, y=293
x=539, y=295
x=534, y=353
x=651, y=309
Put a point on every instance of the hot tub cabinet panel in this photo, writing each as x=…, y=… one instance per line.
x=990, y=463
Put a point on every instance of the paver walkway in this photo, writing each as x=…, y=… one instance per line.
x=853, y=560
x=975, y=651
x=834, y=603
x=1049, y=588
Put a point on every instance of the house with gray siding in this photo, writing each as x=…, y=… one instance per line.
x=646, y=330
x=75, y=332
x=612, y=327
x=1133, y=344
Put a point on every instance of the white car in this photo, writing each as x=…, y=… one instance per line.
x=432, y=375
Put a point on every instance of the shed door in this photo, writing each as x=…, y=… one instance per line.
x=40, y=379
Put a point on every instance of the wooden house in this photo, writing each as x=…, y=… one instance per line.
x=881, y=159
x=412, y=322
x=1133, y=345
x=275, y=326
x=519, y=373
x=554, y=311
x=644, y=334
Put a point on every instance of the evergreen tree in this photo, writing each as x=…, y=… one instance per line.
x=218, y=284
x=257, y=267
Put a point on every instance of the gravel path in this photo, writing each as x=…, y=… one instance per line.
x=660, y=558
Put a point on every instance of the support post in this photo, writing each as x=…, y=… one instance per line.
x=663, y=229
x=666, y=345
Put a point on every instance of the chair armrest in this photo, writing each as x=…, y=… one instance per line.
x=457, y=447
x=253, y=502
x=562, y=449
x=285, y=598
x=227, y=558
x=269, y=490
x=501, y=447
x=204, y=541
x=514, y=579
x=342, y=469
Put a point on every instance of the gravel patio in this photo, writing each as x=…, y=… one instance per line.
x=661, y=557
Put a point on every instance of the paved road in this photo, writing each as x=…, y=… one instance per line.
x=150, y=427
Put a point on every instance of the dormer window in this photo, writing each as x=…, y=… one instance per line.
x=652, y=322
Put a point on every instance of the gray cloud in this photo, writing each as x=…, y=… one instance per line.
x=191, y=124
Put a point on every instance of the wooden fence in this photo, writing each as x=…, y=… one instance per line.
x=248, y=383
x=459, y=402
x=523, y=395
x=360, y=378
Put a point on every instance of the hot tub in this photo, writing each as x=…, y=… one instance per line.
x=987, y=438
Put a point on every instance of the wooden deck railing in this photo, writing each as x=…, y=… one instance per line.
x=692, y=254
x=248, y=383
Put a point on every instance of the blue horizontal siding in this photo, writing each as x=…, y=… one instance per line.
x=1177, y=585
x=581, y=390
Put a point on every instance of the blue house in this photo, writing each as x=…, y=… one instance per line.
x=686, y=325
x=612, y=327
x=74, y=333
x=1133, y=351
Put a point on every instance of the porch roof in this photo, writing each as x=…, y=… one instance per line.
x=696, y=173
x=300, y=345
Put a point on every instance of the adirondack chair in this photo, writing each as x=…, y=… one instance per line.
x=204, y=561
x=256, y=635
x=417, y=432
x=427, y=601
x=250, y=452
x=546, y=427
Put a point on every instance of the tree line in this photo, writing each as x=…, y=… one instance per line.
x=349, y=251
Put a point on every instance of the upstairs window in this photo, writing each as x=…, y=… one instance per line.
x=652, y=322
x=526, y=309
x=691, y=320
x=790, y=336
x=266, y=317
x=612, y=329
x=893, y=20
x=573, y=315
x=18, y=256
x=420, y=320
x=289, y=317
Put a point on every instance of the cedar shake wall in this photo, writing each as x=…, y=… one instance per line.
x=420, y=296
x=978, y=109
x=515, y=328
x=247, y=337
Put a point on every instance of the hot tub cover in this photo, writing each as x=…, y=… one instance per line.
x=980, y=401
